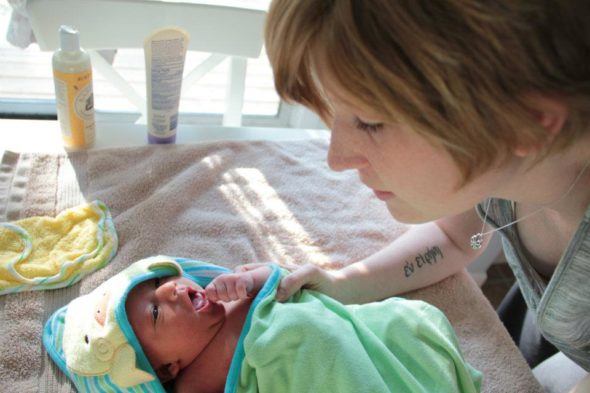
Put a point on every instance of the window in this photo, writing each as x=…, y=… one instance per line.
x=26, y=86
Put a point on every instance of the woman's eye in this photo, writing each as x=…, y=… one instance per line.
x=155, y=312
x=368, y=127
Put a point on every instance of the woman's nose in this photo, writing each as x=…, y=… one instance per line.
x=344, y=151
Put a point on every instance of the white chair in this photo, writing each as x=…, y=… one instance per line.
x=224, y=29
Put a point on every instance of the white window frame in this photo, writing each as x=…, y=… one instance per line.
x=42, y=108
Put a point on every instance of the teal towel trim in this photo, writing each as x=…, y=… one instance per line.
x=239, y=354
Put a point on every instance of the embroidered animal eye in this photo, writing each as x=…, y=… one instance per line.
x=86, y=339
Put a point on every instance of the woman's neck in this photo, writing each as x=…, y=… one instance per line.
x=559, y=182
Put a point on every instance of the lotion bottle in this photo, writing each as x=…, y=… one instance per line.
x=72, y=74
x=165, y=52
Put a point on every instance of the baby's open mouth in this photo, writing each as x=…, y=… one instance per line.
x=198, y=299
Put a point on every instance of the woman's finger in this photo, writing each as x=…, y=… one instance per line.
x=248, y=266
x=304, y=277
x=290, y=267
x=252, y=266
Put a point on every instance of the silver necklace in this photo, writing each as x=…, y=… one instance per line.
x=477, y=239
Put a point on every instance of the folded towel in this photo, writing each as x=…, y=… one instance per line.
x=39, y=253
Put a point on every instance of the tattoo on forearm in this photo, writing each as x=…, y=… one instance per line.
x=429, y=257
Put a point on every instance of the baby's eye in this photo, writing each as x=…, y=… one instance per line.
x=368, y=127
x=155, y=312
x=157, y=282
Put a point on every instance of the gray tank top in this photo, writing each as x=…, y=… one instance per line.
x=562, y=305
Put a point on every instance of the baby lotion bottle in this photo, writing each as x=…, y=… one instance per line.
x=165, y=52
x=72, y=74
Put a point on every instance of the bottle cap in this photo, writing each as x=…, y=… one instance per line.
x=69, y=39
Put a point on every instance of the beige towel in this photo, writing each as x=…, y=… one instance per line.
x=227, y=203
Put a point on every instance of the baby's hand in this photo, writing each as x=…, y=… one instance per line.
x=229, y=287
x=243, y=284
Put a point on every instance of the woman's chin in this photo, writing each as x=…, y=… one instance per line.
x=405, y=215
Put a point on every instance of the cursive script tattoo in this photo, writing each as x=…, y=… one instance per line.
x=429, y=257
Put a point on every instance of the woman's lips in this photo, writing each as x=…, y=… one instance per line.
x=383, y=195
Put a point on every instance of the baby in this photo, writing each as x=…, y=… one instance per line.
x=201, y=328
x=180, y=325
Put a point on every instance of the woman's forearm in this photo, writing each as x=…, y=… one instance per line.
x=422, y=256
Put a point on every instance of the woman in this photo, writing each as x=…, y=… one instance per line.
x=443, y=106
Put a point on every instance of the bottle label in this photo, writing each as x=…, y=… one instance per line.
x=166, y=58
x=75, y=108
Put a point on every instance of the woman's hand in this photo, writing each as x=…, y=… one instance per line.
x=243, y=284
x=309, y=277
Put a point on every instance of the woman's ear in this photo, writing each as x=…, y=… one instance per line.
x=551, y=113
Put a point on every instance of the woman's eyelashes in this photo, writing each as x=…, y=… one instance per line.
x=367, y=127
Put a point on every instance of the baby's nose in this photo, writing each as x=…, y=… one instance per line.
x=171, y=290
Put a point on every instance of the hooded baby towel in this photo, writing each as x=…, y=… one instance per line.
x=46, y=253
x=91, y=339
x=311, y=343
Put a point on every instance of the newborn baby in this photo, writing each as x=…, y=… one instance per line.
x=183, y=325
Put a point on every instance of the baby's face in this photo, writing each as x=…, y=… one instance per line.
x=173, y=321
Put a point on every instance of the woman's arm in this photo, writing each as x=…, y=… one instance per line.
x=424, y=255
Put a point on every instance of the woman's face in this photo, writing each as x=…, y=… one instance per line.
x=173, y=321
x=417, y=180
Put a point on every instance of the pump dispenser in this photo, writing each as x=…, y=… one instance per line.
x=72, y=74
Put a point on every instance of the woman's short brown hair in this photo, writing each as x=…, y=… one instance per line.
x=457, y=71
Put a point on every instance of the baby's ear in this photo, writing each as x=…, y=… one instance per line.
x=168, y=372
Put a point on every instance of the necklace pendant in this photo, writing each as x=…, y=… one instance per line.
x=476, y=241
